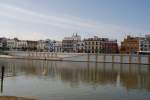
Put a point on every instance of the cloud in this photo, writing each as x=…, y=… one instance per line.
x=58, y=23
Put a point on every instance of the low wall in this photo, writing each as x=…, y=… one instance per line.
x=111, y=58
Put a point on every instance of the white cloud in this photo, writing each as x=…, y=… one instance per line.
x=55, y=24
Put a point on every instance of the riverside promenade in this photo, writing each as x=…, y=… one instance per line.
x=82, y=57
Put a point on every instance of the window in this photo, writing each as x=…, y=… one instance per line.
x=93, y=43
x=85, y=43
x=96, y=43
x=92, y=47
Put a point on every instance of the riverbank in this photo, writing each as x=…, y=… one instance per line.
x=14, y=98
x=5, y=56
x=29, y=58
x=80, y=57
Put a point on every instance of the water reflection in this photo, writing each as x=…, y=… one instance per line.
x=75, y=73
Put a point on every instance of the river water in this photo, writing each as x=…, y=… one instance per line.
x=56, y=80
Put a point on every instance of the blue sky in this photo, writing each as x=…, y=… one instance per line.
x=54, y=19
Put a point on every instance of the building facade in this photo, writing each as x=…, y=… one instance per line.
x=50, y=45
x=12, y=44
x=80, y=47
x=41, y=45
x=110, y=46
x=100, y=45
x=3, y=43
x=130, y=45
x=144, y=44
x=21, y=45
x=69, y=44
x=32, y=45
x=57, y=46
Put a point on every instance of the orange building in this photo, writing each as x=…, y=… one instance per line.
x=130, y=45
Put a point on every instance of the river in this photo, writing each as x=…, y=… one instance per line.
x=60, y=80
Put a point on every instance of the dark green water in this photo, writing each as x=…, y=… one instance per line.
x=54, y=80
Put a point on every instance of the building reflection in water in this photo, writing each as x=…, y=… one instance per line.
x=129, y=76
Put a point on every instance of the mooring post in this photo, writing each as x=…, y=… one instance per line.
x=149, y=59
x=113, y=58
x=130, y=57
x=104, y=55
x=139, y=59
x=121, y=59
x=88, y=57
x=96, y=58
x=2, y=77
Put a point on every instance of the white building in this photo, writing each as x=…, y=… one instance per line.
x=76, y=37
x=42, y=45
x=76, y=41
x=144, y=44
x=12, y=44
x=21, y=44
x=57, y=46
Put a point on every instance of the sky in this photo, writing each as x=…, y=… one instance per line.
x=55, y=19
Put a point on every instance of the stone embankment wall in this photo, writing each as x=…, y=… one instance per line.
x=109, y=58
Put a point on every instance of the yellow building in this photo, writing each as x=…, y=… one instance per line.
x=130, y=45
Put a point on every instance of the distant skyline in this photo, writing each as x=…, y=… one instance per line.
x=55, y=19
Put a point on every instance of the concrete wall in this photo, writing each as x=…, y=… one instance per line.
x=112, y=58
